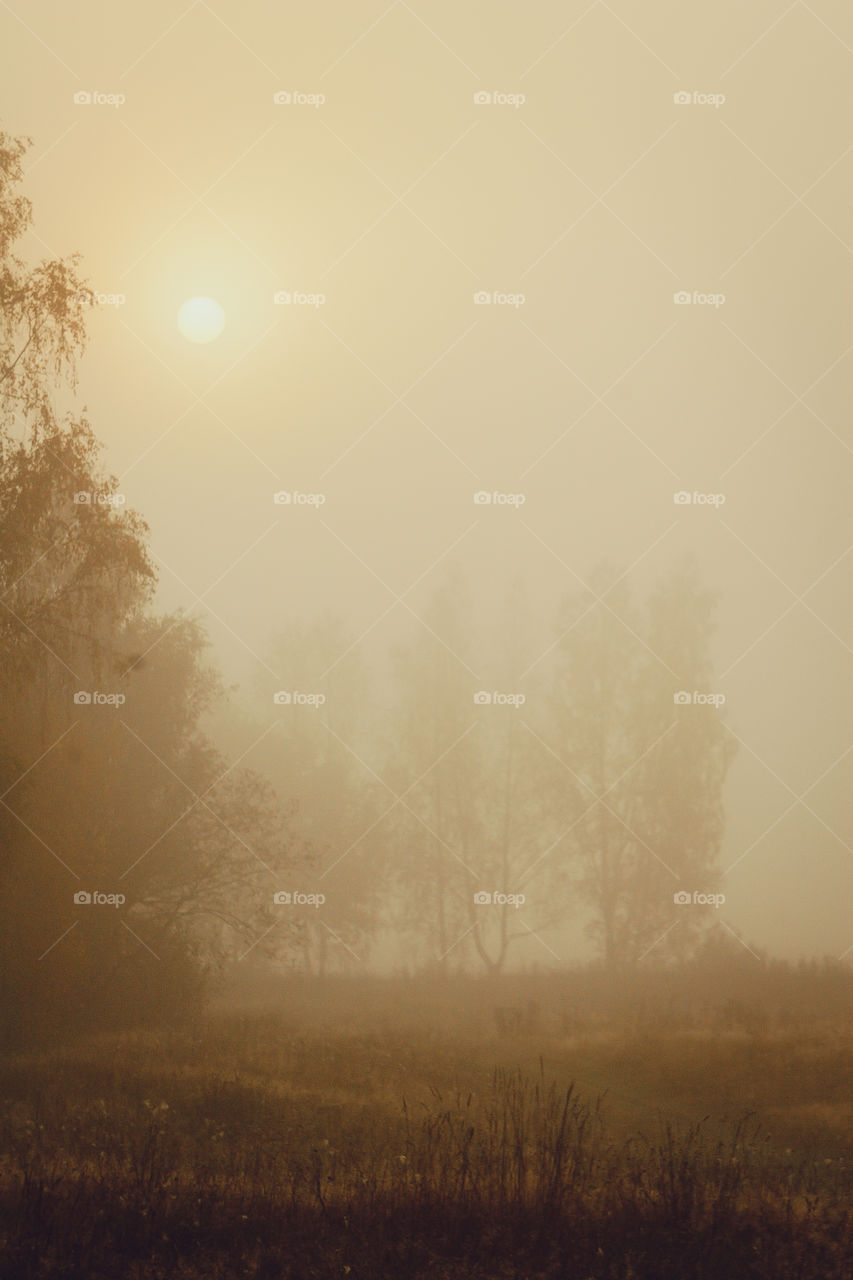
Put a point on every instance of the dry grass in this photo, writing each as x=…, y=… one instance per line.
x=253, y=1149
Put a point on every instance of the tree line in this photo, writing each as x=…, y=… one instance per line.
x=139, y=858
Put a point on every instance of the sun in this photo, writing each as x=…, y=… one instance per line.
x=201, y=319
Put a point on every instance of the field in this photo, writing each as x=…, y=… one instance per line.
x=378, y=1139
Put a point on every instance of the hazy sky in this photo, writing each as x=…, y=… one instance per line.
x=581, y=198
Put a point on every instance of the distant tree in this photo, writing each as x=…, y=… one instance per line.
x=644, y=774
x=316, y=760
x=474, y=819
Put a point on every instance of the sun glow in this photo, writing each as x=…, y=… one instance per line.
x=201, y=319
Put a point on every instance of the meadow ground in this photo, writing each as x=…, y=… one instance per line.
x=263, y=1145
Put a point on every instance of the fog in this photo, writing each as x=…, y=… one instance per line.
x=383, y=198
x=425, y=638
